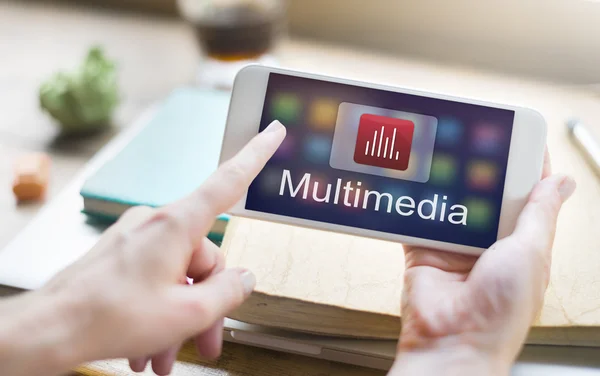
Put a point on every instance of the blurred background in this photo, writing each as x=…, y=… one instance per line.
x=556, y=39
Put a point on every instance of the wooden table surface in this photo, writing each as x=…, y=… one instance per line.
x=156, y=55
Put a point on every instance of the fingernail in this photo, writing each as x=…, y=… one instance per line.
x=566, y=188
x=273, y=127
x=248, y=281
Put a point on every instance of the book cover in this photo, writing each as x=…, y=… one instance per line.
x=168, y=159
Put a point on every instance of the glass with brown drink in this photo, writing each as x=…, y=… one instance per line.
x=233, y=34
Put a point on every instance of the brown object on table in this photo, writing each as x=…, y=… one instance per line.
x=32, y=174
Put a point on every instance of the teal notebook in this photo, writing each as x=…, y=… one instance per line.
x=170, y=157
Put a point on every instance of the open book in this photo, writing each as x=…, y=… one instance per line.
x=334, y=284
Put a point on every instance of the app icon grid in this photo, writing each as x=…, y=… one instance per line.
x=468, y=164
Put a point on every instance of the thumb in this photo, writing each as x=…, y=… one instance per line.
x=206, y=302
x=537, y=223
x=509, y=279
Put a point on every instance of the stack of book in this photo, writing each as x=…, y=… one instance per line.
x=170, y=157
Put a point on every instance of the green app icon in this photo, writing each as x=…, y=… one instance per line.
x=479, y=213
x=286, y=108
x=443, y=170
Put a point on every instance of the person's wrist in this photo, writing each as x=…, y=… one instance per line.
x=442, y=358
x=49, y=324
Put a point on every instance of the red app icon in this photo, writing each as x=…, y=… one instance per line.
x=384, y=142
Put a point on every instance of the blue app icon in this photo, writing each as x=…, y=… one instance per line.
x=449, y=131
x=317, y=149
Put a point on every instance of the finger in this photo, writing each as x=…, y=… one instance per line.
x=162, y=364
x=537, y=223
x=547, y=170
x=204, y=303
x=205, y=261
x=210, y=343
x=134, y=217
x=138, y=364
x=511, y=277
x=227, y=185
x=131, y=219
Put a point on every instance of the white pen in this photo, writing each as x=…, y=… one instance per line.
x=586, y=142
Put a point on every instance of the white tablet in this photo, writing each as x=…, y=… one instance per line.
x=386, y=162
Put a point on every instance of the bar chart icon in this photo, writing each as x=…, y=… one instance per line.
x=384, y=142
